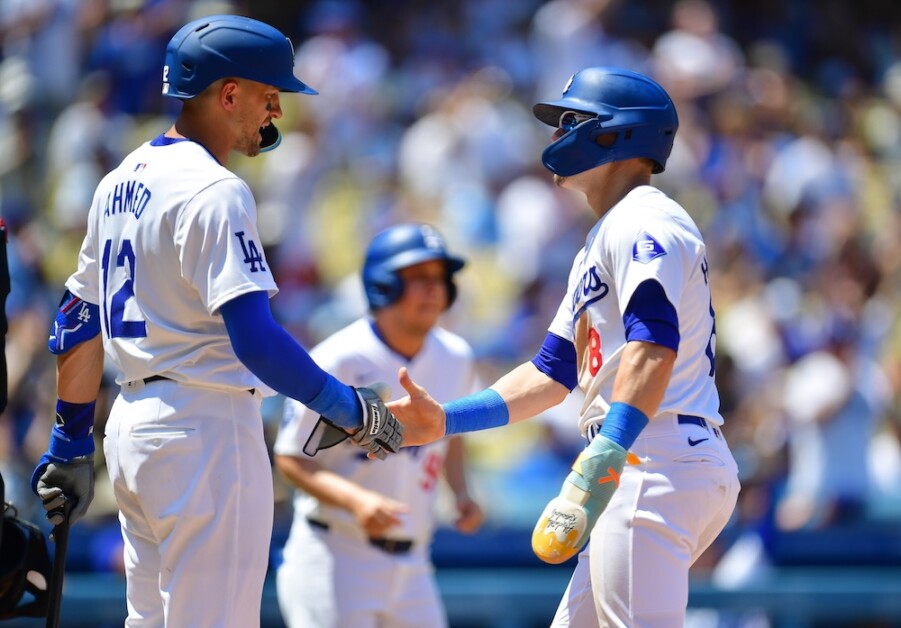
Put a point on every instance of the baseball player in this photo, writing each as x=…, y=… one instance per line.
x=636, y=333
x=358, y=551
x=173, y=284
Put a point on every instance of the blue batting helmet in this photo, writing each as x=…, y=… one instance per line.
x=631, y=105
x=221, y=46
x=399, y=247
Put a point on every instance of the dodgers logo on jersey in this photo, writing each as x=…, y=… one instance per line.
x=252, y=254
x=646, y=248
x=589, y=289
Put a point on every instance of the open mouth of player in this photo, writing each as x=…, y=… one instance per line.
x=269, y=137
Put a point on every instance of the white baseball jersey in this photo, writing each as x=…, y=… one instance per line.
x=680, y=491
x=645, y=236
x=356, y=355
x=171, y=237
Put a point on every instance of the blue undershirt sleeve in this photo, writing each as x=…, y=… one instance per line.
x=557, y=359
x=650, y=317
x=272, y=354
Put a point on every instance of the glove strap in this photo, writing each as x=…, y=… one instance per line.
x=64, y=448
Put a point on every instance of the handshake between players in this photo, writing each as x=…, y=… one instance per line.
x=380, y=434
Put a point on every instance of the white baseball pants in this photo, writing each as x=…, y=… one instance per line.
x=335, y=580
x=193, y=483
x=665, y=513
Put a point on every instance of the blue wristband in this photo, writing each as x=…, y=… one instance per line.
x=480, y=411
x=64, y=448
x=76, y=420
x=623, y=424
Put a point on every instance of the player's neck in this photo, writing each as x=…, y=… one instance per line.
x=205, y=133
x=398, y=338
x=612, y=189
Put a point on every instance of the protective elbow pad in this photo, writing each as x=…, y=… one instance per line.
x=76, y=321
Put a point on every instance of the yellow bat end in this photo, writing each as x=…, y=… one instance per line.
x=558, y=535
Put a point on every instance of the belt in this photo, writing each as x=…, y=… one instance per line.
x=161, y=378
x=390, y=546
x=685, y=419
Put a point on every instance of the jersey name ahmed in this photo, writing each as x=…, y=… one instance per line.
x=171, y=236
x=646, y=236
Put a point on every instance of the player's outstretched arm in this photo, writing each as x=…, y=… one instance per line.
x=271, y=354
x=522, y=393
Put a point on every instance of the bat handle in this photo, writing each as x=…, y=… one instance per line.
x=60, y=536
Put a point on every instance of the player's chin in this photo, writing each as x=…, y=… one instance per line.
x=255, y=148
x=249, y=148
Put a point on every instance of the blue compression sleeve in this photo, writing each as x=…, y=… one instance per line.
x=480, y=411
x=623, y=424
x=557, y=360
x=650, y=317
x=264, y=347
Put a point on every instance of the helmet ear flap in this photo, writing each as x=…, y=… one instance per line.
x=451, y=290
x=382, y=288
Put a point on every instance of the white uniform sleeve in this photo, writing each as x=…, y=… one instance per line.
x=642, y=250
x=85, y=281
x=218, y=245
x=563, y=322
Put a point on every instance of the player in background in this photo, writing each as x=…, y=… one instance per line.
x=636, y=333
x=173, y=284
x=359, y=549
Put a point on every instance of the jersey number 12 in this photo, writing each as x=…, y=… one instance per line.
x=114, y=306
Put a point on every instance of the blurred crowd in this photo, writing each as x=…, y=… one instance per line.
x=787, y=155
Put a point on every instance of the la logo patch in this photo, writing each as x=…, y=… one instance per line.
x=646, y=248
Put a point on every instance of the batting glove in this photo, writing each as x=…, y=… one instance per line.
x=380, y=434
x=65, y=472
x=566, y=523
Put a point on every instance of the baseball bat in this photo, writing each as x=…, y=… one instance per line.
x=61, y=540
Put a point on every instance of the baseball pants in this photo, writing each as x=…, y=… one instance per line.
x=335, y=580
x=193, y=483
x=665, y=513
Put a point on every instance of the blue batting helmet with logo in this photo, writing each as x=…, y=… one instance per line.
x=625, y=103
x=220, y=46
x=400, y=247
